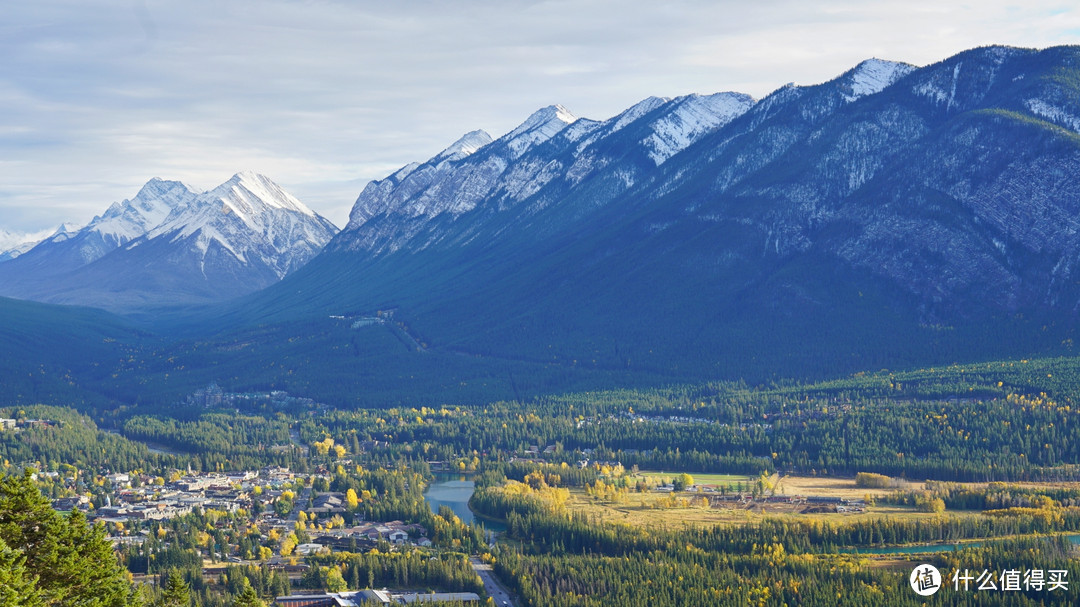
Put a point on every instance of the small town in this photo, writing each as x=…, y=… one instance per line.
x=287, y=517
x=258, y=492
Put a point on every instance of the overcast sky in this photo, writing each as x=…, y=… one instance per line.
x=322, y=95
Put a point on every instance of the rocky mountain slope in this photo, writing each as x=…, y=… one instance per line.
x=888, y=213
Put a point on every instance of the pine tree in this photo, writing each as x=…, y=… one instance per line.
x=247, y=597
x=17, y=587
x=74, y=562
x=28, y=524
x=176, y=593
x=280, y=584
x=94, y=576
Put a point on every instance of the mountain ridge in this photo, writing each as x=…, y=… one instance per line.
x=790, y=211
x=170, y=246
x=891, y=217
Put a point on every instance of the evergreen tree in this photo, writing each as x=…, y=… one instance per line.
x=17, y=587
x=74, y=563
x=94, y=575
x=248, y=597
x=176, y=593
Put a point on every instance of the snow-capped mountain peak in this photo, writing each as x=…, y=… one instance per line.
x=469, y=143
x=542, y=125
x=247, y=192
x=65, y=230
x=72, y=246
x=169, y=245
x=250, y=217
x=160, y=188
x=552, y=149
x=551, y=117
x=10, y=240
x=130, y=219
x=873, y=75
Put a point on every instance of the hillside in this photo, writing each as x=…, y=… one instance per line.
x=62, y=354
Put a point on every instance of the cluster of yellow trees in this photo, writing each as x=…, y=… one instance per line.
x=606, y=492
x=324, y=447
x=536, y=489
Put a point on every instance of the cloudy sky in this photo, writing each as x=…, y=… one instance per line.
x=323, y=95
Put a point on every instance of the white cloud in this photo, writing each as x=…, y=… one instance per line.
x=96, y=98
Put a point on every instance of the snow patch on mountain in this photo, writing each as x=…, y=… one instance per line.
x=580, y=128
x=1053, y=113
x=764, y=109
x=941, y=87
x=586, y=164
x=527, y=178
x=405, y=171
x=208, y=236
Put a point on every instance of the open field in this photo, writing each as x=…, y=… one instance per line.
x=824, y=486
x=651, y=509
x=790, y=485
x=665, y=509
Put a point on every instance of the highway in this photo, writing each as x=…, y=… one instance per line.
x=491, y=584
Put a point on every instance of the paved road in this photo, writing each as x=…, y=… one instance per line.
x=491, y=584
x=294, y=436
